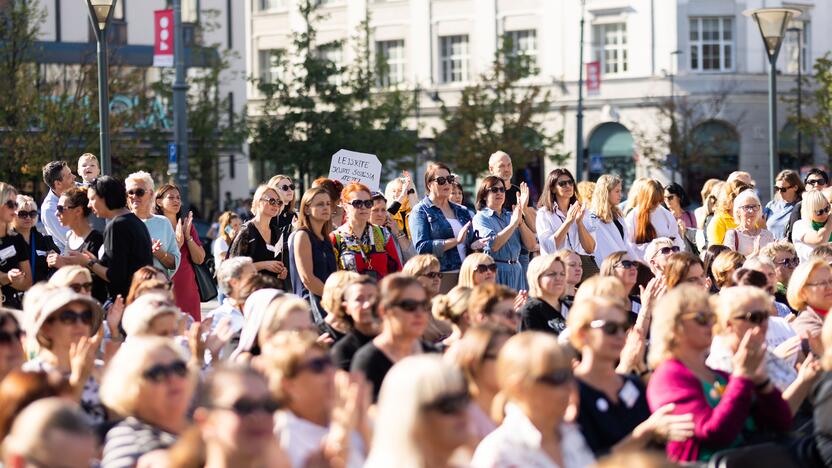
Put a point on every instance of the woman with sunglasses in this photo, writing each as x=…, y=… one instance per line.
x=40, y=246
x=503, y=233
x=613, y=413
x=422, y=418
x=650, y=220
x=544, y=311
x=440, y=227
x=360, y=246
x=493, y=303
x=15, y=255
x=425, y=268
x=140, y=199
x=536, y=389
x=560, y=216
x=788, y=190
x=748, y=237
x=285, y=222
x=815, y=225
x=810, y=293
x=257, y=239
x=11, y=342
x=404, y=311
x=621, y=265
x=358, y=316
x=677, y=202
x=721, y=404
x=784, y=257
x=478, y=268
x=62, y=328
x=149, y=384
x=313, y=401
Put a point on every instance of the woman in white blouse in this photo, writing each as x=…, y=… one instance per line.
x=560, y=216
x=606, y=221
x=649, y=219
x=536, y=388
x=748, y=237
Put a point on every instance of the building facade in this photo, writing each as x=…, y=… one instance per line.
x=700, y=47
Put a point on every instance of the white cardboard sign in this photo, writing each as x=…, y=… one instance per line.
x=352, y=166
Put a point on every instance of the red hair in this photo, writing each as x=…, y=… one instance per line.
x=648, y=197
x=352, y=188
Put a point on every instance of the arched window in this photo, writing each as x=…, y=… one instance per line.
x=713, y=152
x=611, y=152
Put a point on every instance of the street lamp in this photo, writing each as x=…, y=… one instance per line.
x=101, y=11
x=772, y=23
x=579, y=153
x=799, y=90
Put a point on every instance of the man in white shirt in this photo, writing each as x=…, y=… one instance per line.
x=59, y=178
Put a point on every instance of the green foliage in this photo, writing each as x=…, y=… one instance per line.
x=499, y=113
x=817, y=104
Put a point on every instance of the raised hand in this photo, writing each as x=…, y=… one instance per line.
x=82, y=360
x=156, y=246
x=463, y=233
x=632, y=355
x=219, y=337
x=115, y=314
x=523, y=199
x=180, y=237
x=516, y=215
x=748, y=359
x=572, y=212
x=520, y=299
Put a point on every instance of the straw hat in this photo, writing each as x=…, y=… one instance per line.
x=57, y=300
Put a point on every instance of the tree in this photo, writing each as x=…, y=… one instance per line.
x=314, y=107
x=499, y=113
x=818, y=122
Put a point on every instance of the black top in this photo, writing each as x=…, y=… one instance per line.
x=511, y=197
x=537, y=314
x=13, y=251
x=282, y=225
x=92, y=244
x=323, y=262
x=604, y=423
x=127, y=247
x=344, y=350
x=793, y=218
x=43, y=245
x=249, y=243
x=374, y=364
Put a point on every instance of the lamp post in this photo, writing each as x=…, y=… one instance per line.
x=101, y=11
x=180, y=107
x=579, y=154
x=799, y=90
x=673, y=128
x=772, y=23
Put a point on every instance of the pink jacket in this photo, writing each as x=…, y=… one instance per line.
x=715, y=428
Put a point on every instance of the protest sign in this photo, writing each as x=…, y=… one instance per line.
x=351, y=166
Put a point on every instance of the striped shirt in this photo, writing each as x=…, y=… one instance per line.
x=128, y=440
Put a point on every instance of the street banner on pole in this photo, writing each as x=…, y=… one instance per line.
x=593, y=78
x=351, y=166
x=163, y=43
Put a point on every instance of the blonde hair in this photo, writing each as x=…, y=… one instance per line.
x=121, y=384
x=471, y=351
x=537, y=266
x=812, y=201
x=277, y=312
x=770, y=250
x=631, y=194
x=736, y=298
x=602, y=286
x=601, y=206
x=744, y=197
x=7, y=192
x=797, y=284
x=724, y=266
x=400, y=425
x=24, y=200
x=333, y=296
x=258, y=194
x=143, y=177
x=585, y=311
x=585, y=191
x=451, y=306
x=420, y=264
x=290, y=207
x=411, y=200
x=728, y=192
x=284, y=365
x=683, y=299
x=64, y=276
x=469, y=265
x=87, y=156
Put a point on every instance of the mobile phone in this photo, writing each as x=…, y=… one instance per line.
x=804, y=346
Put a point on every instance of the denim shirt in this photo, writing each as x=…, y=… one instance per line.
x=488, y=224
x=429, y=229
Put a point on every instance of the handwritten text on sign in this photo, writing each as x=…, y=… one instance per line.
x=351, y=166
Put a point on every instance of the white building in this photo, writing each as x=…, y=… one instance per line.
x=442, y=45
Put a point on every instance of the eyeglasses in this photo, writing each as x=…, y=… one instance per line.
x=244, y=406
x=444, y=180
x=757, y=317
x=820, y=284
x=482, y=268
x=556, y=378
x=669, y=250
x=69, y=317
x=287, y=187
x=273, y=201
x=704, y=319
x=316, y=365
x=496, y=189
x=10, y=337
x=358, y=204
x=11, y=204
x=137, y=193
x=822, y=211
x=160, y=372
x=789, y=262
x=750, y=208
x=411, y=306
x=610, y=328
x=78, y=287
x=782, y=189
x=565, y=183
x=449, y=404
x=27, y=214
x=62, y=208
x=814, y=182
x=626, y=264
x=432, y=275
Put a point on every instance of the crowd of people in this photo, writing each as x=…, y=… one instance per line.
x=358, y=328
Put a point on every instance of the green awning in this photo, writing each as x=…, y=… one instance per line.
x=611, y=140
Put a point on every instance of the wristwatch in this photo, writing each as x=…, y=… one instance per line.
x=91, y=263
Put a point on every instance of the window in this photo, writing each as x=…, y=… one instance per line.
x=453, y=53
x=332, y=53
x=522, y=47
x=270, y=65
x=796, y=47
x=272, y=4
x=190, y=11
x=711, y=44
x=390, y=62
x=609, y=43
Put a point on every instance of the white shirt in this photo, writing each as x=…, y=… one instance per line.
x=546, y=225
x=49, y=218
x=219, y=248
x=456, y=226
x=227, y=310
x=299, y=438
x=663, y=222
x=608, y=239
x=744, y=243
x=800, y=229
x=516, y=443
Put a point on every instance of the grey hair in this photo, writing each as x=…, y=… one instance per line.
x=144, y=177
x=231, y=269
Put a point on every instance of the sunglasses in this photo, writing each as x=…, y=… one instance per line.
x=823, y=211
x=816, y=182
x=317, y=365
x=358, y=204
x=610, y=328
x=669, y=250
x=411, y=306
x=704, y=319
x=27, y=214
x=69, y=317
x=482, y=268
x=160, y=372
x=287, y=187
x=432, y=275
x=626, y=264
x=449, y=404
x=10, y=337
x=63, y=208
x=565, y=183
x=11, y=204
x=556, y=378
x=444, y=180
x=138, y=192
x=782, y=189
x=789, y=262
x=273, y=201
x=244, y=406
x=81, y=287
x=496, y=189
x=757, y=317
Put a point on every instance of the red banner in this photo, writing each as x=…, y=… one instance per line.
x=163, y=33
x=593, y=77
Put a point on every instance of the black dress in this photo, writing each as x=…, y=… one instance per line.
x=323, y=265
x=127, y=247
x=603, y=422
x=537, y=314
x=13, y=251
x=344, y=350
x=374, y=364
x=249, y=243
x=282, y=225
